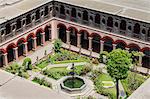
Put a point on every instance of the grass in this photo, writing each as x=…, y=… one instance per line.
x=68, y=61
x=58, y=72
x=42, y=64
x=139, y=79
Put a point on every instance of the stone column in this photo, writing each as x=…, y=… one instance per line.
x=90, y=43
x=140, y=60
x=34, y=43
x=78, y=40
x=68, y=37
x=54, y=32
x=50, y=34
x=101, y=46
x=43, y=38
x=33, y=19
x=16, y=53
x=23, y=23
x=25, y=49
x=114, y=46
x=5, y=59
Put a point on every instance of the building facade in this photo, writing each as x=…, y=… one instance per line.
x=76, y=25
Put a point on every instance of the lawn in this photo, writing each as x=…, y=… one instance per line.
x=58, y=72
x=132, y=82
x=42, y=64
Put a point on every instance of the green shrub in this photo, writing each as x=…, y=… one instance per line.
x=42, y=81
x=27, y=64
x=57, y=45
x=101, y=56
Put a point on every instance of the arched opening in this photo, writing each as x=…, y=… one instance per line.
x=123, y=25
x=84, y=39
x=85, y=15
x=62, y=33
x=46, y=11
x=28, y=19
x=10, y=53
x=108, y=44
x=133, y=47
x=18, y=26
x=73, y=36
x=96, y=43
x=136, y=28
x=97, y=18
x=20, y=45
x=37, y=15
x=1, y=59
x=47, y=33
x=30, y=42
x=8, y=29
x=110, y=22
x=38, y=38
x=62, y=9
x=146, y=58
x=73, y=13
x=120, y=44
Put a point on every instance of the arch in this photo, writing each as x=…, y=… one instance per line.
x=96, y=42
x=145, y=48
x=146, y=57
x=133, y=47
x=62, y=9
x=73, y=13
x=71, y=27
x=123, y=25
x=81, y=31
x=10, y=51
x=120, y=41
x=60, y=24
x=136, y=28
x=110, y=22
x=97, y=18
x=47, y=32
x=3, y=50
x=107, y=38
x=22, y=39
x=40, y=30
x=93, y=34
x=12, y=45
x=30, y=35
x=85, y=15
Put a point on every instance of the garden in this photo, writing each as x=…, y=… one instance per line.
x=104, y=82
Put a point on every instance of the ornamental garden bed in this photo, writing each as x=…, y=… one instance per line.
x=58, y=72
x=42, y=81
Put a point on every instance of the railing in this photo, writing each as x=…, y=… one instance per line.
x=99, y=26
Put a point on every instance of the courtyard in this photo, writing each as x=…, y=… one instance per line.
x=48, y=69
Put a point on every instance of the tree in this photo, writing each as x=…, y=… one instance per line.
x=27, y=63
x=118, y=64
x=57, y=45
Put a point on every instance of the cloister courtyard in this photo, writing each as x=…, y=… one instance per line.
x=47, y=69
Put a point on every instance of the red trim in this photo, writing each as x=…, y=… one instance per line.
x=95, y=34
x=40, y=30
x=60, y=24
x=133, y=45
x=30, y=35
x=120, y=41
x=107, y=38
x=12, y=45
x=71, y=27
x=22, y=39
x=145, y=48
x=3, y=51
x=84, y=31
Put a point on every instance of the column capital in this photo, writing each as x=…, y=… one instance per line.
x=34, y=38
x=43, y=33
x=90, y=38
x=127, y=48
x=78, y=34
x=5, y=54
x=101, y=41
x=25, y=43
x=15, y=48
